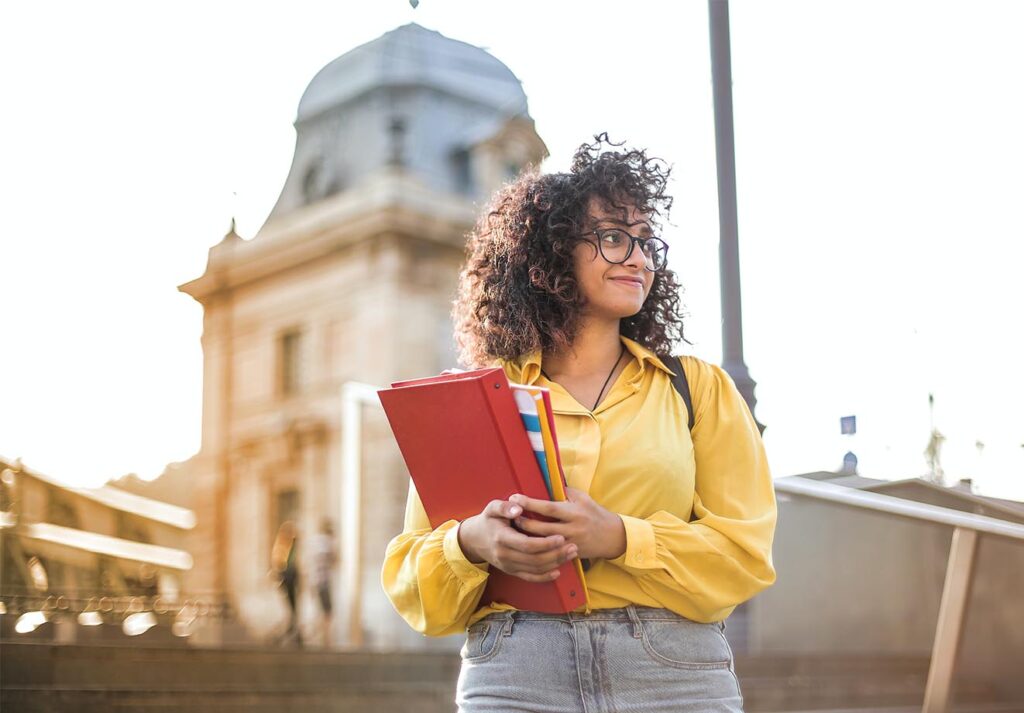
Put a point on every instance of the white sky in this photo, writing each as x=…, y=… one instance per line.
x=880, y=161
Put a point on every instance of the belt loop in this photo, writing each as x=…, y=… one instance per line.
x=506, y=630
x=635, y=621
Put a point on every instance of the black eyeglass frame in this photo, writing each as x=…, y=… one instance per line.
x=633, y=242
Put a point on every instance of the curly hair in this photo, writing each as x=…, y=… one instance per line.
x=517, y=291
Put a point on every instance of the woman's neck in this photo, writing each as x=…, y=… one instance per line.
x=596, y=347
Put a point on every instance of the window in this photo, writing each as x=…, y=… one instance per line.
x=60, y=511
x=462, y=172
x=291, y=372
x=131, y=527
x=311, y=183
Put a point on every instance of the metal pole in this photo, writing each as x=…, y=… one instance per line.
x=728, y=246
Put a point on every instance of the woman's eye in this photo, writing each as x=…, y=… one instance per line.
x=612, y=238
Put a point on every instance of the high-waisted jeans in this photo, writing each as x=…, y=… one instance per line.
x=610, y=661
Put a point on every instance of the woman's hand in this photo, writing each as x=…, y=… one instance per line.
x=490, y=537
x=597, y=533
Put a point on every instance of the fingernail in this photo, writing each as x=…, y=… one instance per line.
x=555, y=575
x=515, y=510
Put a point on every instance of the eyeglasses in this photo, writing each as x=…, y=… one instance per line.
x=616, y=246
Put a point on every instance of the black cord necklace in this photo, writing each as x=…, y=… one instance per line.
x=601, y=392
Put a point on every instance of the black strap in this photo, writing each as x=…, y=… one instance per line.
x=680, y=383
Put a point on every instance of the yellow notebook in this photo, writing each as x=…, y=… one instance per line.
x=547, y=429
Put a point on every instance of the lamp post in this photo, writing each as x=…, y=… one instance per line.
x=728, y=246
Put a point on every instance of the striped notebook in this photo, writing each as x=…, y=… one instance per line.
x=526, y=401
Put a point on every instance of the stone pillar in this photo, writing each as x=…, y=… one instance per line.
x=212, y=466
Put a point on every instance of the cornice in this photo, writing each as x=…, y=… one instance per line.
x=388, y=202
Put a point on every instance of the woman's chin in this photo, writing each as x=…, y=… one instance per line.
x=623, y=311
x=613, y=310
x=630, y=309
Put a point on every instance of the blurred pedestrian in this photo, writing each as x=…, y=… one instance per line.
x=325, y=560
x=285, y=568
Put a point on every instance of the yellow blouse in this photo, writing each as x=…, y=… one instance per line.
x=699, y=512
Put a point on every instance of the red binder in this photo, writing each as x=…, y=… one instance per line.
x=465, y=444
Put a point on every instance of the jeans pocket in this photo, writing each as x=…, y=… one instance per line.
x=681, y=643
x=481, y=642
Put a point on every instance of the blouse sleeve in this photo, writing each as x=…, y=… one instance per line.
x=426, y=576
x=704, y=567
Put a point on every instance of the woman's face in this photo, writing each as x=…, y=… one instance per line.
x=613, y=291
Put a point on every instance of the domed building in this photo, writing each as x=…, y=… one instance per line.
x=348, y=284
x=445, y=111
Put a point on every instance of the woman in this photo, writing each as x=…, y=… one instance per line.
x=566, y=287
x=285, y=569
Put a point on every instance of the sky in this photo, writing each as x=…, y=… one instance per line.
x=880, y=164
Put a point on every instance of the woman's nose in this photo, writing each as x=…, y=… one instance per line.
x=636, y=257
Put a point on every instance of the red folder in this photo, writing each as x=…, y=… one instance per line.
x=465, y=445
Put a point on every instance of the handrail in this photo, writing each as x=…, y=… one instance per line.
x=795, y=485
x=959, y=570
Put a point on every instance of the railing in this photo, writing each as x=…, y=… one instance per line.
x=959, y=570
x=136, y=612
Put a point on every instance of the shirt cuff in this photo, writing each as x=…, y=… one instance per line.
x=468, y=572
x=641, y=550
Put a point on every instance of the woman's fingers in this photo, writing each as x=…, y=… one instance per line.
x=503, y=509
x=526, y=544
x=539, y=527
x=546, y=577
x=558, y=511
x=534, y=557
x=516, y=562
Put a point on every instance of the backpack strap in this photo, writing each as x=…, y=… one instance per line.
x=680, y=383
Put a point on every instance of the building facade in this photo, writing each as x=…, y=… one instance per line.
x=105, y=551
x=398, y=144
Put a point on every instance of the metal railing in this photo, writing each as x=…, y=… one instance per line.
x=967, y=528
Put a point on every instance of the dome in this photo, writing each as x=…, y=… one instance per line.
x=412, y=102
x=412, y=55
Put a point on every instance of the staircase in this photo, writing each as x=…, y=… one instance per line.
x=52, y=678
x=37, y=677
x=851, y=682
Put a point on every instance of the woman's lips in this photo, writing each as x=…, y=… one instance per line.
x=628, y=281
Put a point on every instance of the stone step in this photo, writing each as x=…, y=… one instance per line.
x=73, y=666
x=790, y=682
x=405, y=699
x=110, y=677
x=782, y=664
x=956, y=708
x=837, y=692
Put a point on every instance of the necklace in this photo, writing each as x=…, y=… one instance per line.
x=601, y=392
